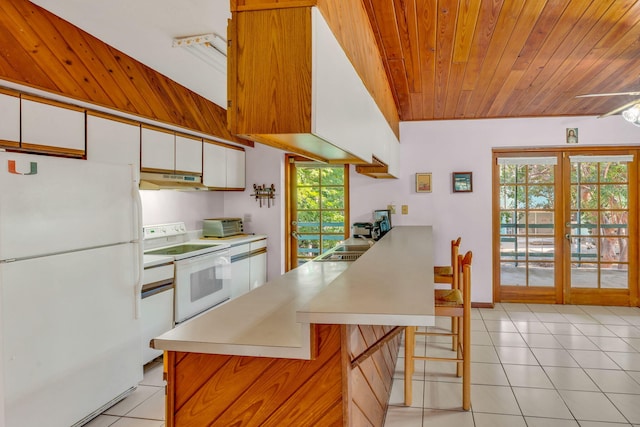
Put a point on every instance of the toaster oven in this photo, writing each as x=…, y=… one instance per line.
x=222, y=227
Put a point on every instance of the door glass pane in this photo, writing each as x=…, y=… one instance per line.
x=527, y=225
x=584, y=172
x=319, y=197
x=599, y=217
x=541, y=174
x=584, y=276
x=614, y=277
x=540, y=197
x=541, y=274
x=512, y=274
x=613, y=196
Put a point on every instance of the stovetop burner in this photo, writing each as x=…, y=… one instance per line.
x=179, y=249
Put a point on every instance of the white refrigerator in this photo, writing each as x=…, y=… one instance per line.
x=70, y=280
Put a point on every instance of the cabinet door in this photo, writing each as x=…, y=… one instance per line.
x=157, y=318
x=258, y=275
x=113, y=141
x=235, y=168
x=10, y=123
x=214, y=169
x=47, y=127
x=188, y=155
x=158, y=150
x=240, y=277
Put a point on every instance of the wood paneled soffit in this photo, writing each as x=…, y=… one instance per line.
x=350, y=24
x=40, y=50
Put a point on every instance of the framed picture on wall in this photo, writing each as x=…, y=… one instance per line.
x=462, y=182
x=423, y=183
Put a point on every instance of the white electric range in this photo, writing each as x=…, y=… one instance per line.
x=202, y=277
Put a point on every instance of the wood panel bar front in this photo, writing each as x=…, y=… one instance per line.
x=328, y=390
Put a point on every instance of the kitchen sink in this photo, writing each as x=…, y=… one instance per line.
x=352, y=248
x=346, y=253
x=339, y=256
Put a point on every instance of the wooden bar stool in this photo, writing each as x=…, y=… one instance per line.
x=449, y=274
x=454, y=303
x=444, y=273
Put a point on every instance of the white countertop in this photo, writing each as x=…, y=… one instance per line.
x=153, y=260
x=390, y=284
x=387, y=285
x=235, y=240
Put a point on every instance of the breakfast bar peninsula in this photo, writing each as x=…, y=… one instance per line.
x=317, y=346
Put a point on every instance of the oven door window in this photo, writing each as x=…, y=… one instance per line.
x=204, y=283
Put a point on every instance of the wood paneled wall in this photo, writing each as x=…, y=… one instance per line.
x=348, y=383
x=217, y=390
x=370, y=379
x=40, y=50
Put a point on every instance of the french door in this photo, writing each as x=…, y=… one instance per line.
x=566, y=226
x=317, y=208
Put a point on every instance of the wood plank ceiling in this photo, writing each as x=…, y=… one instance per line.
x=454, y=59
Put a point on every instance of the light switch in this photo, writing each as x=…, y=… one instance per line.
x=391, y=209
x=405, y=209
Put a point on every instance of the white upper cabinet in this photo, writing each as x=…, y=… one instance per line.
x=48, y=127
x=158, y=150
x=165, y=151
x=10, y=123
x=214, y=165
x=113, y=141
x=188, y=155
x=235, y=160
x=223, y=167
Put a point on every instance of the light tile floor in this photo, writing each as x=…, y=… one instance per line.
x=533, y=365
x=142, y=408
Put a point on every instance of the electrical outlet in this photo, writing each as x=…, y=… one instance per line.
x=405, y=209
x=391, y=208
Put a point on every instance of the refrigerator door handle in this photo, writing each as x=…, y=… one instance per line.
x=139, y=245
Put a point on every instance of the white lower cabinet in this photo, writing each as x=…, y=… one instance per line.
x=258, y=270
x=248, y=267
x=240, y=277
x=258, y=266
x=157, y=318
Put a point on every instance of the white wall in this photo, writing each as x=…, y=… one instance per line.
x=265, y=166
x=190, y=207
x=439, y=147
x=442, y=147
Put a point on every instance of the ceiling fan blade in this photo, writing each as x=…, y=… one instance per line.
x=620, y=109
x=588, y=95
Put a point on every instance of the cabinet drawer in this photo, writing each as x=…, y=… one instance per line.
x=240, y=249
x=157, y=274
x=258, y=244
